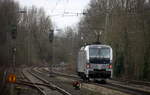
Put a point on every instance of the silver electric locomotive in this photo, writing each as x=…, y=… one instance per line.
x=95, y=61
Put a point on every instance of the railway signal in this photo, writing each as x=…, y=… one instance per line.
x=51, y=34
x=14, y=32
x=11, y=78
x=14, y=50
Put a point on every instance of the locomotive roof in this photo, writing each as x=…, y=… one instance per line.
x=94, y=45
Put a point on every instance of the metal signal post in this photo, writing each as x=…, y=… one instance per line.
x=13, y=34
x=51, y=38
x=14, y=49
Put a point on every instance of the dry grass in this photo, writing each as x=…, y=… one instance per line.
x=95, y=90
x=102, y=90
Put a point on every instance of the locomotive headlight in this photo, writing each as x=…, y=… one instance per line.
x=88, y=66
x=110, y=66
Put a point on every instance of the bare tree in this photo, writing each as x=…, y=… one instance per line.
x=124, y=24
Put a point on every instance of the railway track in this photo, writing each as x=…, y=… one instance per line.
x=43, y=86
x=51, y=85
x=140, y=83
x=124, y=89
x=120, y=86
x=65, y=84
x=135, y=82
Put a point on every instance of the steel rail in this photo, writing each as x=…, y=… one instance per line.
x=31, y=85
x=64, y=92
x=113, y=86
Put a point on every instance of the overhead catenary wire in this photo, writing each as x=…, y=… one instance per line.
x=58, y=1
x=68, y=14
x=65, y=5
x=65, y=13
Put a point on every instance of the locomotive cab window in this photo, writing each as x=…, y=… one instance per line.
x=99, y=52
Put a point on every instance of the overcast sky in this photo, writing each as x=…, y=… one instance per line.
x=56, y=9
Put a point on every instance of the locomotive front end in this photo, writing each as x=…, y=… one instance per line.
x=99, y=62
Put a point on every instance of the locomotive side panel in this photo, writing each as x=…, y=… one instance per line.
x=81, y=61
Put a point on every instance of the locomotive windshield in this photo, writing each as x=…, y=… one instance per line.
x=99, y=52
x=99, y=55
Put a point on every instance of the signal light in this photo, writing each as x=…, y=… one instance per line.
x=14, y=49
x=88, y=66
x=110, y=66
x=11, y=78
x=51, y=35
